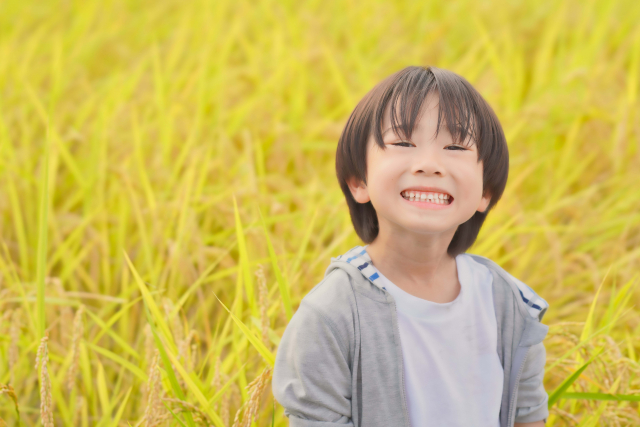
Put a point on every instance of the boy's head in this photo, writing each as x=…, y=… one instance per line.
x=422, y=129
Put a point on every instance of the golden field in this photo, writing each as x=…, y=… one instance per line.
x=168, y=192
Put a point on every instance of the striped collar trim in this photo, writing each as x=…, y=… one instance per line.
x=535, y=304
x=359, y=258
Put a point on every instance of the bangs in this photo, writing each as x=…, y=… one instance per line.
x=459, y=110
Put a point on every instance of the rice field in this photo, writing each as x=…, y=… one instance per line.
x=168, y=194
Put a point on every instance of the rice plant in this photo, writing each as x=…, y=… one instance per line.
x=168, y=192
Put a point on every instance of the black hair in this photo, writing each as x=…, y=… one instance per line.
x=463, y=111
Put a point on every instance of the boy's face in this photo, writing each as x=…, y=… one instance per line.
x=417, y=163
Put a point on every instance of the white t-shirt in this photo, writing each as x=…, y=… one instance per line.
x=453, y=376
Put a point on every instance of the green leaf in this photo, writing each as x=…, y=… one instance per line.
x=602, y=396
x=152, y=306
x=558, y=392
x=103, y=393
x=126, y=347
x=588, y=324
x=119, y=360
x=116, y=419
x=256, y=342
x=283, y=286
x=175, y=417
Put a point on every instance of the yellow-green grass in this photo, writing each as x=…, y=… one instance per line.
x=153, y=154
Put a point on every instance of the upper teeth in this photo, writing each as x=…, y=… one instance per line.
x=431, y=197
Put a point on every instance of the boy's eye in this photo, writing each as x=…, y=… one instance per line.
x=457, y=147
x=403, y=144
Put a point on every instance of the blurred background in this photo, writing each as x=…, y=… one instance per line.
x=168, y=193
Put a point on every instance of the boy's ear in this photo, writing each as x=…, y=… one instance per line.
x=358, y=190
x=484, y=203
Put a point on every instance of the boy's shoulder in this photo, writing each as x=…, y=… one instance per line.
x=346, y=275
x=333, y=288
x=332, y=298
x=534, y=305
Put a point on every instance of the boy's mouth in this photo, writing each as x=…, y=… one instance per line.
x=427, y=196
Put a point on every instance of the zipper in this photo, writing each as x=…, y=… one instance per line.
x=402, y=386
x=515, y=389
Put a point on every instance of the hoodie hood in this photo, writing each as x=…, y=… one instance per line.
x=359, y=259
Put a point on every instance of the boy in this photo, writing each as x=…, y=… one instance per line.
x=410, y=330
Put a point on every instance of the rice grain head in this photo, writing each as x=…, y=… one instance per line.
x=176, y=327
x=178, y=336
x=225, y=402
x=46, y=399
x=215, y=382
x=224, y=409
x=193, y=339
x=236, y=419
x=7, y=314
x=198, y=415
x=9, y=391
x=256, y=388
x=13, y=351
x=263, y=302
x=230, y=399
x=78, y=410
x=153, y=413
x=78, y=330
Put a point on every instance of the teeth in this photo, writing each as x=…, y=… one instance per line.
x=437, y=198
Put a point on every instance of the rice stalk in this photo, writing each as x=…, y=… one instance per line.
x=66, y=313
x=149, y=345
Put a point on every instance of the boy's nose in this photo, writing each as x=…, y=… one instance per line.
x=427, y=166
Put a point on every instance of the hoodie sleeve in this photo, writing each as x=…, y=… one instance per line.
x=532, y=398
x=312, y=375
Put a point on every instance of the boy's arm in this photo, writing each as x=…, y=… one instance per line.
x=532, y=399
x=312, y=376
x=536, y=424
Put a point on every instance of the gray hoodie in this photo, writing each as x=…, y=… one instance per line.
x=339, y=362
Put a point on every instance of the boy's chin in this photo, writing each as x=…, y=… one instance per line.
x=429, y=229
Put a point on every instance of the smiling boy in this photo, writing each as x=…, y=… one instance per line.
x=410, y=330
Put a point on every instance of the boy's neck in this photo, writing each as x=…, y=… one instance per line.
x=418, y=265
